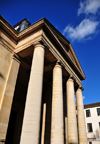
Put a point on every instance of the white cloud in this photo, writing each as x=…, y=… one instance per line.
x=88, y=26
x=82, y=31
x=89, y=6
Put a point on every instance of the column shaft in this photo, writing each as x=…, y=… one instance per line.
x=57, y=136
x=71, y=113
x=81, y=118
x=66, y=127
x=31, y=123
x=43, y=123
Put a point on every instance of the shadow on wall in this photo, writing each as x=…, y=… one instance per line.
x=1, y=76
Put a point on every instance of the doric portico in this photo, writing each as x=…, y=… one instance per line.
x=48, y=74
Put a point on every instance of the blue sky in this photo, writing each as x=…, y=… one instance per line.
x=78, y=21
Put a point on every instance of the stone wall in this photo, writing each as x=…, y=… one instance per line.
x=8, y=74
x=5, y=60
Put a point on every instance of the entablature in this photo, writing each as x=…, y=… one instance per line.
x=43, y=31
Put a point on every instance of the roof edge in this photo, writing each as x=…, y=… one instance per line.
x=91, y=105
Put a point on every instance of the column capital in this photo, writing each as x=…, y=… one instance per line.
x=80, y=87
x=70, y=78
x=58, y=64
x=39, y=43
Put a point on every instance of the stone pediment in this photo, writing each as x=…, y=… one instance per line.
x=42, y=30
x=40, y=75
x=66, y=48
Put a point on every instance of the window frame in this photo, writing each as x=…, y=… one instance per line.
x=89, y=113
x=88, y=127
x=98, y=112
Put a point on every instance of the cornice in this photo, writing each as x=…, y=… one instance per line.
x=8, y=28
x=91, y=105
x=15, y=57
x=27, y=44
x=62, y=47
x=34, y=26
x=18, y=36
x=31, y=29
x=54, y=51
x=77, y=60
x=63, y=62
x=41, y=24
x=55, y=30
x=6, y=44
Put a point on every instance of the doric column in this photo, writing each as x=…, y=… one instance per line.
x=81, y=118
x=57, y=136
x=71, y=113
x=31, y=123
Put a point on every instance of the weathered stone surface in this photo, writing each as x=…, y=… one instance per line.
x=10, y=72
x=5, y=61
x=57, y=129
x=71, y=113
x=43, y=124
x=57, y=48
x=81, y=118
x=31, y=123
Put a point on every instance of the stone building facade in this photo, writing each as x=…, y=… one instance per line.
x=39, y=77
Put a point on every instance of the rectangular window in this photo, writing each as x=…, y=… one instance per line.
x=89, y=127
x=88, y=113
x=98, y=111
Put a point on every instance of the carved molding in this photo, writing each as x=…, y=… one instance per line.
x=59, y=57
x=15, y=57
x=42, y=38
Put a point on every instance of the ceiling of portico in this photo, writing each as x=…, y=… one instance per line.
x=26, y=57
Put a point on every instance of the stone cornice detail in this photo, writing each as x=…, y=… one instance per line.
x=6, y=44
x=6, y=26
x=31, y=42
x=68, y=53
x=42, y=25
x=76, y=59
x=54, y=51
x=15, y=57
x=61, y=59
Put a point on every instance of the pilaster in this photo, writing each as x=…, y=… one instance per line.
x=7, y=97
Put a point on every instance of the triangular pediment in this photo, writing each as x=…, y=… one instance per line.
x=67, y=49
x=36, y=32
